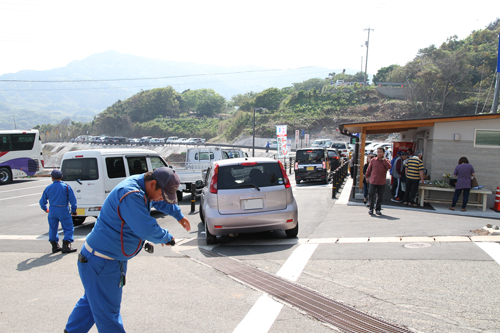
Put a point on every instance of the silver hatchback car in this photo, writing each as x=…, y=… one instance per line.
x=247, y=195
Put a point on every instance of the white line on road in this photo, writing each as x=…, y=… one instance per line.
x=264, y=312
x=492, y=249
x=21, y=196
x=22, y=188
x=34, y=205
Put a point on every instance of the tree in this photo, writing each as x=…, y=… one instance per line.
x=314, y=83
x=383, y=74
x=269, y=99
x=205, y=102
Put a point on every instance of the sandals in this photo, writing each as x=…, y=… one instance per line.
x=452, y=208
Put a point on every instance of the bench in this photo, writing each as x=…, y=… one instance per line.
x=480, y=202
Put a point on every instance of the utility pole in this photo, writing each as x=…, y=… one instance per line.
x=494, y=106
x=361, y=64
x=367, y=43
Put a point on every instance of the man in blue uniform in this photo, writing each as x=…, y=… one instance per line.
x=59, y=195
x=118, y=235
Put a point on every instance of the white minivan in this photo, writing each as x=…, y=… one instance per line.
x=92, y=174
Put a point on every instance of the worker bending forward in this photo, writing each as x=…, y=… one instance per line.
x=118, y=235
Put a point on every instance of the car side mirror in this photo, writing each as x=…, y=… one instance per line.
x=199, y=183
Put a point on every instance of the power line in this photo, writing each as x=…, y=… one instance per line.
x=147, y=78
x=146, y=86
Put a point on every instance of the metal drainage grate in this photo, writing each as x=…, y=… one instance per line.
x=346, y=318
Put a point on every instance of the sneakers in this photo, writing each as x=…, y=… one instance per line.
x=378, y=212
x=396, y=200
x=370, y=212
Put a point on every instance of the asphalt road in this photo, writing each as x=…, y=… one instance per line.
x=417, y=269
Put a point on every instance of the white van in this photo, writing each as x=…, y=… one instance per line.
x=92, y=174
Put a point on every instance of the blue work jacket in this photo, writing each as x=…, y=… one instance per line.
x=107, y=236
x=58, y=194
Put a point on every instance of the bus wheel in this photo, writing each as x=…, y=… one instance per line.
x=78, y=220
x=5, y=176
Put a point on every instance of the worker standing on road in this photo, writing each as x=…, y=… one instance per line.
x=118, y=235
x=59, y=195
x=377, y=172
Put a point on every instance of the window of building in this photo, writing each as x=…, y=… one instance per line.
x=487, y=138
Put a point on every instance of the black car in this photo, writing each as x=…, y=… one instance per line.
x=312, y=164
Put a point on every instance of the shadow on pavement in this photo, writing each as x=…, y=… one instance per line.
x=46, y=259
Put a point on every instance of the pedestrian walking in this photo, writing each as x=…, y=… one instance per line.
x=397, y=173
x=122, y=226
x=377, y=172
x=267, y=146
x=366, y=185
x=60, y=196
x=464, y=173
x=414, y=175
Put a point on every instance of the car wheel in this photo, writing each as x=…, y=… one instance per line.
x=292, y=233
x=202, y=217
x=179, y=196
x=78, y=220
x=5, y=176
x=211, y=239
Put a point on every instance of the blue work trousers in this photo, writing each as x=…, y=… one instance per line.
x=63, y=215
x=103, y=295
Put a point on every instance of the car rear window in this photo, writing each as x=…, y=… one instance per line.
x=242, y=176
x=339, y=145
x=80, y=168
x=310, y=155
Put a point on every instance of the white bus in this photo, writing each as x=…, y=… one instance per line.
x=20, y=154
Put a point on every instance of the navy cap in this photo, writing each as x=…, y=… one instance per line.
x=56, y=174
x=169, y=182
x=400, y=153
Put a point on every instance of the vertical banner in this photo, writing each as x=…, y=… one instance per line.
x=282, y=140
x=306, y=140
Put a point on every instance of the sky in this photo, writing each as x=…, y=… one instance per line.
x=47, y=34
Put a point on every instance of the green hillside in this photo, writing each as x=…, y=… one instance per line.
x=452, y=79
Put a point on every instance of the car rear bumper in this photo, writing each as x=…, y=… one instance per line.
x=302, y=175
x=252, y=222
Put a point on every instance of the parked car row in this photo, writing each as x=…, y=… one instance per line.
x=145, y=140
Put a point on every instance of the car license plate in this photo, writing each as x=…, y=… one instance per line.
x=80, y=211
x=310, y=169
x=253, y=204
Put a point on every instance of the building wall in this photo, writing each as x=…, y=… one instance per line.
x=443, y=152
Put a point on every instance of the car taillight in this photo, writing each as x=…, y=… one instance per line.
x=296, y=165
x=285, y=177
x=324, y=165
x=213, y=183
x=249, y=163
x=43, y=164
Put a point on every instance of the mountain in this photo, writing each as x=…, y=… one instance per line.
x=34, y=103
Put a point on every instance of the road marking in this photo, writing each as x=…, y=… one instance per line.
x=492, y=249
x=21, y=196
x=34, y=205
x=23, y=188
x=264, y=312
x=37, y=237
x=315, y=241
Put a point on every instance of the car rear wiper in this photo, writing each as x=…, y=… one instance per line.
x=248, y=185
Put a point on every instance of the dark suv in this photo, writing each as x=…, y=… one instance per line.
x=312, y=164
x=334, y=157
